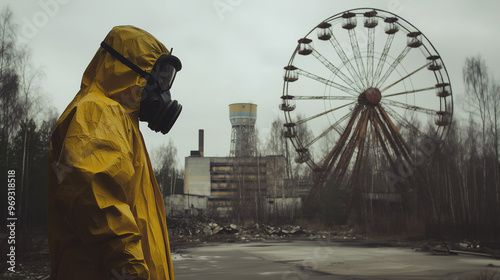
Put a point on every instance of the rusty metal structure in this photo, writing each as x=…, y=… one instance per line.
x=363, y=90
x=243, y=139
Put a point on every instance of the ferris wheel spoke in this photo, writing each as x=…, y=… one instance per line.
x=335, y=70
x=409, y=107
x=322, y=114
x=359, y=135
x=380, y=131
x=393, y=134
x=383, y=132
x=357, y=55
x=410, y=91
x=361, y=143
x=370, y=56
x=327, y=82
x=324, y=97
x=404, y=148
x=331, y=158
x=350, y=68
x=395, y=63
x=383, y=57
x=404, y=122
x=330, y=128
x=405, y=77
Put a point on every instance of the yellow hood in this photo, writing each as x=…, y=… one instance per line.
x=116, y=80
x=106, y=212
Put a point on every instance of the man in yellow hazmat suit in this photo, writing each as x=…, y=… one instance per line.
x=106, y=212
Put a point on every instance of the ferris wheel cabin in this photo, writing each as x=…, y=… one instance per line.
x=443, y=90
x=434, y=62
x=391, y=27
x=414, y=39
x=371, y=20
x=291, y=74
x=287, y=104
x=349, y=20
x=305, y=47
x=443, y=118
x=324, y=31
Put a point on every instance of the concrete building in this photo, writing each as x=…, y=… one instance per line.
x=216, y=185
x=227, y=181
x=242, y=183
x=185, y=204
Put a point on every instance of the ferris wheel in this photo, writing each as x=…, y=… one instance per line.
x=362, y=91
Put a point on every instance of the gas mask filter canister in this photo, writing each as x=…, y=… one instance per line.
x=157, y=107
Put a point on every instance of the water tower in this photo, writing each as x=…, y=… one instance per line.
x=243, y=138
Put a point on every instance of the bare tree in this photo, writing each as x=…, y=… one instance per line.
x=166, y=167
x=494, y=129
x=31, y=102
x=275, y=141
x=482, y=96
x=7, y=41
x=9, y=79
x=476, y=80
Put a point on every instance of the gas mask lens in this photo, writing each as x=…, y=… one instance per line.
x=165, y=70
x=166, y=76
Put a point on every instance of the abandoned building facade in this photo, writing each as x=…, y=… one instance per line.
x=242, y=184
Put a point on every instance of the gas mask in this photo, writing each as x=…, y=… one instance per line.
x=157, y=107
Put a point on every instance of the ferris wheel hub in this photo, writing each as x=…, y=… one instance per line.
x=372, y=95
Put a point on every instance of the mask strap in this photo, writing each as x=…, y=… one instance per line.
x=124, y=60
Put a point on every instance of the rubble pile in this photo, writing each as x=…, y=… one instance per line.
x=194, y=229
x=490, y=250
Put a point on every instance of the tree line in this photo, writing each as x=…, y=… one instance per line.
x=464, y=177
x=459, y=187
x=454, y=190
x=26, y=122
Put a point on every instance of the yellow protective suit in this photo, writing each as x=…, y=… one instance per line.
x=106, y=212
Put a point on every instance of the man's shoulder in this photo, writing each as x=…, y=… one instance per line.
x=99, y=103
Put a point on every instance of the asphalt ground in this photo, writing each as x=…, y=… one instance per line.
x=322, y=259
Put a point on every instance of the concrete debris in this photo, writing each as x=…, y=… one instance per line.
x=467, y=248
x=193, y=229
x=189, y=226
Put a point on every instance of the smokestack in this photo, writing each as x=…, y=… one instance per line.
x=200, y=141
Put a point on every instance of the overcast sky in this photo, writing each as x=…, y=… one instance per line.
x=232, y=50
